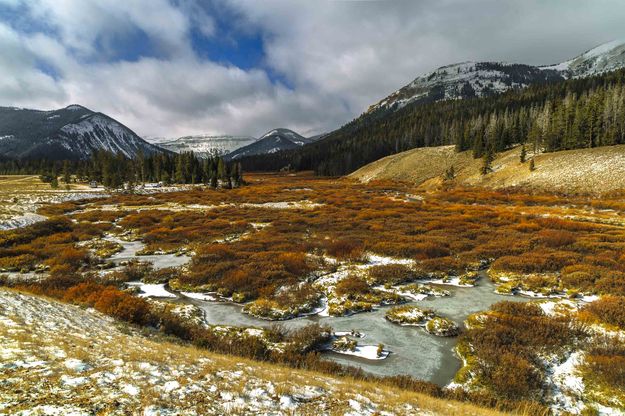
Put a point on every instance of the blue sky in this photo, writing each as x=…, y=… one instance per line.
x=178, y=67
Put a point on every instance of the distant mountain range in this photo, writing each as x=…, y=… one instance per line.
x=73, y=132
x=204, y=145
x=272, y=142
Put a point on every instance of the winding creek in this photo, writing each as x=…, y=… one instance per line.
x=414, y=352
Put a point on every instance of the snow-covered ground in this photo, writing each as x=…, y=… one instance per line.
x=19, y=209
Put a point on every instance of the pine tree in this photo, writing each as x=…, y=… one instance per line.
x=67, y=176
x=523, y=155
x=450, y=173
x=487, y=161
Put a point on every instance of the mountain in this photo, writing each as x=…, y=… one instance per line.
x=272, y=142
x=480, y=79
x=466, y=80
x=73, y=132
x=434, y=110
x=206, y=145
x=604, y=58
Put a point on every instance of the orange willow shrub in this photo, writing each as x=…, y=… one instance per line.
x=391, y=273
x=345, y=249
x=556, y=238
x=112, y=301
x=604, y=363
x=609, y=309
x=508, y=346
x=352, y=286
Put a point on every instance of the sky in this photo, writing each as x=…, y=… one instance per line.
x=168, y=68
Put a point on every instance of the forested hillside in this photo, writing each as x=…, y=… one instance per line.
x=578, y=113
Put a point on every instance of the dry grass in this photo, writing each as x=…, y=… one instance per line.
x=582, y=171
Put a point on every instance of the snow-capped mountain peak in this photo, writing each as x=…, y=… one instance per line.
x=73, y=132
x=271, y=142
x=603, y=58
x=479, y=79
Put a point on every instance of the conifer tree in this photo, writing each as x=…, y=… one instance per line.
x=487, y=161
x=66, y=172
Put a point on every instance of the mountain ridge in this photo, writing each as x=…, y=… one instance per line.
x=478, y=79
x=72, y=132
x=204, y=145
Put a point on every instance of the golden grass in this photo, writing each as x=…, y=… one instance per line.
x=594, y=171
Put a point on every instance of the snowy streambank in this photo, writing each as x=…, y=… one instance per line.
x=368, y=352
x=151, y=290
x=20, y=221
x=20, y=209
x=49, y=369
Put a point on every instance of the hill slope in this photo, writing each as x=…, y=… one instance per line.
x=73, y=132
x=61, y=359
x=596, y=171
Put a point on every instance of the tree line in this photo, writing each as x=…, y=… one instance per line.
x=577, y=113
x=114, y=170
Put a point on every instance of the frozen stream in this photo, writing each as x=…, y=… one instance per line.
x=414, y=352
x=158, y=261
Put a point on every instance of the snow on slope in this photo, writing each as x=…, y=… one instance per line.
x=466, y=80
x=478, y=79
x=67, y=133
x=597, y=171
x=271, y=142
x=604, y=58
x=99, y=132
x=59, y=359
x=205, y=145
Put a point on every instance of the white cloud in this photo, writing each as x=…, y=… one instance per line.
x=337, y=57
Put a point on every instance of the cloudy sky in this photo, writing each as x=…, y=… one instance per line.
x=177, y=67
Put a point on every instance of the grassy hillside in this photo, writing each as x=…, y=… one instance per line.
x=595, y=171
x=45, y=343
